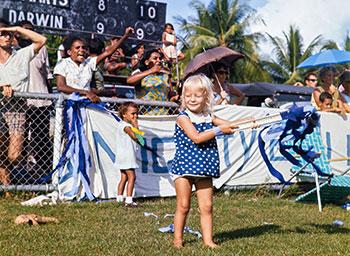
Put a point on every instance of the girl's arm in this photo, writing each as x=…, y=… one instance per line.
x=115, y=44
x=63, y=87
x=199, y=137
x=129, y=132
x=218, y=121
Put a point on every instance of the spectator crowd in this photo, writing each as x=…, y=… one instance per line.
x=82, y=66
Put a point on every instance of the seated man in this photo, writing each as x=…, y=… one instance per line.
x=14, y=76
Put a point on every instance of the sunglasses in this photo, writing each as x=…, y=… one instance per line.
x=222, y=72
x=5, y=34
x=312, y=80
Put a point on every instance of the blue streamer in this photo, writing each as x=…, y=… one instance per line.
x=297, y=123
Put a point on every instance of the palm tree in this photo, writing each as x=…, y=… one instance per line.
x=225, y=23
x=330, y=44
x=289, y=53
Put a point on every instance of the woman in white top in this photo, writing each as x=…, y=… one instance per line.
x=74, y=74
x=224, y=93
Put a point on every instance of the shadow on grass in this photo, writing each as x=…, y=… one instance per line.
x=245, y=232
x=332, y=229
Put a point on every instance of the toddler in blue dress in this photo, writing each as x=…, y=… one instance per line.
x=196, y=159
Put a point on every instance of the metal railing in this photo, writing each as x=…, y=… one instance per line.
x=32, y=136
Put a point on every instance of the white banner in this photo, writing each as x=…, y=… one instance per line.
x=335, y=131
x=240, y=159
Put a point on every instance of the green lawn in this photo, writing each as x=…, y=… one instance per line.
x=244, y=224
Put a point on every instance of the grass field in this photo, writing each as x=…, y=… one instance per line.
x=245, y=223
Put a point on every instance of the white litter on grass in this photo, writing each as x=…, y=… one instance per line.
x=170, y=229
x=267, y=223
x=49, y=199
x=150, y=214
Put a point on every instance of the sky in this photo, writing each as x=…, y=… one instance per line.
x=330, y=18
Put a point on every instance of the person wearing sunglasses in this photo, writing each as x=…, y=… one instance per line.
x=224, y=93
x=310, y=80
x=14, y=76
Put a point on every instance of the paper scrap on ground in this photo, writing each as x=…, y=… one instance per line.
x=170, y=229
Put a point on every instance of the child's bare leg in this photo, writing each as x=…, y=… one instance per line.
x=131, y=181
x=183, y=188
x=204, y=189
x=122, y=182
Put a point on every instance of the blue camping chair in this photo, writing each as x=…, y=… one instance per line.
x=328, y=189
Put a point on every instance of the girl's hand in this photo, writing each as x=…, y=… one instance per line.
x=227, y=128
x=255, y=124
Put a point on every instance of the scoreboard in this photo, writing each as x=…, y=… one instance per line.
x=97, y=16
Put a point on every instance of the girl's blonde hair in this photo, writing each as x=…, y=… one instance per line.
x=204, y=82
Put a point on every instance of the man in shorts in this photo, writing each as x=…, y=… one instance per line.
x=14, y=77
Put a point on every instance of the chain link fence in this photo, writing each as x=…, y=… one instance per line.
x=32, y=136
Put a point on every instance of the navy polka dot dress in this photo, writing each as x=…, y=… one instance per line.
x=199, y=160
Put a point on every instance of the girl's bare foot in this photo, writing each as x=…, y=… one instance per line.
x=211, y=245
x=178, y=244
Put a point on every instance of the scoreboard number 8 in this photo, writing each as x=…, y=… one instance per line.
x=101, y=5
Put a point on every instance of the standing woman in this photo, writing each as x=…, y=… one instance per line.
x=327, y=78
x=224, y=93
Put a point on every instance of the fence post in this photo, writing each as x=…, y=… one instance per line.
x=58, y=131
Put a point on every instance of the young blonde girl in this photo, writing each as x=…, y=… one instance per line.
x=196, y=159
x=126, y=156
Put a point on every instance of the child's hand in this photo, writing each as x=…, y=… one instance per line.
x=255, y=124
x=227, y=128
